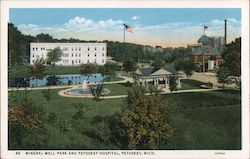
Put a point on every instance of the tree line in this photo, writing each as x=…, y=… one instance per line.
x=19, y=49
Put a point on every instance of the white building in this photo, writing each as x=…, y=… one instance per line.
x=73, y=53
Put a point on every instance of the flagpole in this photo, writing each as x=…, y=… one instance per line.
x=123, y=44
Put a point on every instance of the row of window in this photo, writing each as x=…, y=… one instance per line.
x=78, y=61
x=66, y=61
x=76, y=77
x=67, y=49
x=79, y=55
x=67, y=55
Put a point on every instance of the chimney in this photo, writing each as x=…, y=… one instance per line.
x=225, y=38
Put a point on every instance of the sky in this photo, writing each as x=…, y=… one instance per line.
x=152, y=26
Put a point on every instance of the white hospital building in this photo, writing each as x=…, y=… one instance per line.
x=73, y=53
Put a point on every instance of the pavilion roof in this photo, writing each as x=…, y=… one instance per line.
x=151, y=71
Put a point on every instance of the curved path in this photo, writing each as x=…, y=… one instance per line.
x=166, y=91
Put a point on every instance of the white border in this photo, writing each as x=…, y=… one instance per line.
x=243, y=4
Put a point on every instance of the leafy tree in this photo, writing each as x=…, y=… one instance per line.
x=232, y=57
x=88, y=69
x=108, y=70
x=44, y=38
x=38, y=70
x=23, y=117
x=54, y=56
x=129, y=66
x=96, y=91
x=172, y=83
x=145, y=119
x=222, y=75
x=186, y=65
x=157, y=64
x=19, y=71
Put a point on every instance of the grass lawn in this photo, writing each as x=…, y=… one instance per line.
x=112, y=78
x=63, y=106
x=118, y=88
x=206, y=120
x=190, y=84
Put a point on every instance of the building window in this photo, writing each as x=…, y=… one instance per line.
x=88, y=61
x=79, y=61
x=36, y=48
x=72, y=49
x=102, y=60
x=76, y=54
x=33, y=61
x=95, y=48
x=88, y=48
x=76, y=48
x=95, y=54
x=102, y=54
x=88, y=55
x=79, y=55
x=33, y=55
x=95, y=60
x=76, y=61
x=72, y=55
x=102, y=48
x=33, y=49
x=79, y=49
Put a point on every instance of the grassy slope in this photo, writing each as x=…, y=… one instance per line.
x=190, y=84
x=206, y=122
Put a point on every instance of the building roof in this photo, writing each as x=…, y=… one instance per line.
x=150, y=71
x=204, y=40
x=205, y=50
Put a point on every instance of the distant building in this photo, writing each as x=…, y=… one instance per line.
x=206, y=54
x=73, y=53
x=152, y=49
x=156, y=77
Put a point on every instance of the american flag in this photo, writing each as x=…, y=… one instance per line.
x=128, y=28
x=205, y=27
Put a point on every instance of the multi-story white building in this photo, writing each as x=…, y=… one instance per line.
x=73, y=53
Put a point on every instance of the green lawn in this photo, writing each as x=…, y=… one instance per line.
x=118, y=88
x=112, y=78
x=201, y=120
x=190, y=84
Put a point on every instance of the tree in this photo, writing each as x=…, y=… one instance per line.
x=232, y=57
x=38, y=70
x=23, y=117
x=172, y=83
x=96, y=91
x=88, y=69
x=54, y=56
x=108, y=70
x=44, y=38
x=129, y=66
x=186, y=65
x=157, y=64
x=145, y=120
x=222, y=75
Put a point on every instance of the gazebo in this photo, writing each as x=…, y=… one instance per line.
x=157, y=77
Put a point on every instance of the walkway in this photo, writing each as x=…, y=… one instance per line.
x=64, y=94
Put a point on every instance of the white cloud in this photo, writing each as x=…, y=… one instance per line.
x=135, y=17
x=165, y=34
